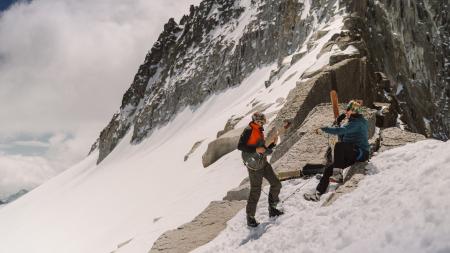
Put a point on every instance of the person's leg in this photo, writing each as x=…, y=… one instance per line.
x=325, y=180
x=344, y=156
x=275, y=187
x=255, y=177
x=275, y=184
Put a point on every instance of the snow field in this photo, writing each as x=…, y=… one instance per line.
x=401, y=206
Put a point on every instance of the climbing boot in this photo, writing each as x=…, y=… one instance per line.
x=312, y=196
x=273, y=211
x=251, y=221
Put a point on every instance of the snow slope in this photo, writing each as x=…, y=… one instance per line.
x=140, y=191
x=402, y=206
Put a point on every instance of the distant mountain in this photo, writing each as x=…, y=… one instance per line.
x=221, y=42
x=13, y=197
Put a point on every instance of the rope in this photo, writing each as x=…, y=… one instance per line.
x=295, y=192
x=292, y=194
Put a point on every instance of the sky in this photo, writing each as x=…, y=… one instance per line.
x=64, y=66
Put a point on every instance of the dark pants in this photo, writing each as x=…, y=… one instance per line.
x=344, y=155
x=256, y=177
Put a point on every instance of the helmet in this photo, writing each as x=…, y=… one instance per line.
x=259, y=116
x=355, y=106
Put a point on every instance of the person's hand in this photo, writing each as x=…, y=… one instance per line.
x=274, y=139
x=260, y=150
x=318, y=131
x=339, y=119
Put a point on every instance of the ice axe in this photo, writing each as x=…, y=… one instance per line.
x=278, y=131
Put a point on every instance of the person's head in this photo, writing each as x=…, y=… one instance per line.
x=259, y=118
x=353, y=107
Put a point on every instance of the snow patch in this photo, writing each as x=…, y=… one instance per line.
x=401, y=207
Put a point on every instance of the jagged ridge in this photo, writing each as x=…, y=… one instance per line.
x=221, y=42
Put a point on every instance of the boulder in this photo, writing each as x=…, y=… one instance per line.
x=311, y=147
x=239, y=193
x=349, y=77
x=386, y=115
x=394, y=137
x=242, y=191
x=353, y=175
x=221, y=146
x=201, y=230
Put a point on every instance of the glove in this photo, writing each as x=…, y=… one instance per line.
x=339, y=119
x=268, y=151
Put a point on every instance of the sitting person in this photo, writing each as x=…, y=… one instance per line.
x=353, y=146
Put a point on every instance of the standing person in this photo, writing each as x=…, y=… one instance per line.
x=254, y=155
x=353, y=146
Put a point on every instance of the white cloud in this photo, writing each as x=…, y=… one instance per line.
x=65, y=62
x=32, y=143
x=22, y=172
x=64, y=66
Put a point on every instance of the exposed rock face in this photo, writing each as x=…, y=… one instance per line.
x=13, y=197
x=199, y=56
x=205, y=227
x=408, y=41
x=395, y=137
x=194, y=147
x=311, y=147
x=386, y=115
x=352, y=80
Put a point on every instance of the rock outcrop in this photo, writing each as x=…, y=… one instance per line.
x=408, y=41
x=194, y=147
x=221, y=146
x=353, y=176
x=395, y=137
x=311, y=147
x=205, y=227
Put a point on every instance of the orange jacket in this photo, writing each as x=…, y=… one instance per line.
x=256, y=137
x=251, y=138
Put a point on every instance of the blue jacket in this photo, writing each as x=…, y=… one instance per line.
x=356, y=131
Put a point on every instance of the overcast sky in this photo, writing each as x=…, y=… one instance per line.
x=64, y=66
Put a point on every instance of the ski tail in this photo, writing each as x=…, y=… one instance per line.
x=335, y=103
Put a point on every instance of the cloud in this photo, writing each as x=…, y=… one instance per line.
x=22, y=172
x=32, y=143
x=66, y=62
x=64, y=66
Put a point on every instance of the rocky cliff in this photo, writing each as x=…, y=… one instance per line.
x=409, y=42
x=402, y=48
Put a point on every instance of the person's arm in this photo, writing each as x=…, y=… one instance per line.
x=339, y=119
x=271, y=146
x=350, y=128
x=242, y=145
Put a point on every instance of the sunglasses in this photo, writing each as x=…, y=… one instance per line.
x=262, y=122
